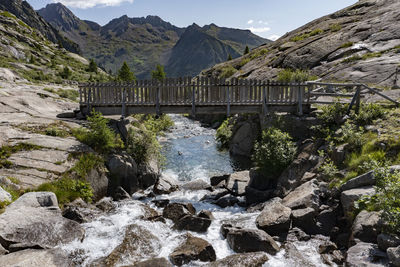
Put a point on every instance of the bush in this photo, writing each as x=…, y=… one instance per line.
x=227, y=71
x=332, y=114
x=224, y=133
x=368, y=113
x=86, y=163
x=335, y=27
x=158, y=73
x=98, y=135
x=92, y=66
x=142, y=145
x=154, y=124
x=65, y=73
x=386, y=199
x=328, y=169
x=67, y=190
x=290, y=76
x=274, y=152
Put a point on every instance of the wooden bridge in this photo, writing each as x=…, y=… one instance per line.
x=209, y=96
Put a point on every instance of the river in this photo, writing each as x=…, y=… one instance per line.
x=191, y=153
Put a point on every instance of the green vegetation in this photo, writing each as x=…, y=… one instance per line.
x=66, y=73
x=306, y=35
x=125, y=74
x=244, y=62
x=386, y=199
x=224, y=132
x=229, y=57
x=67, y=190
x=154, y=124
x=64, y=93
x=290, y=76
x=362, y=57
x=86, y=163
x=7, y=151
x=335, y=27
x=158, y=73
x=246, y=50
x=98, y=135
x=346, y=45
x=274, y=152
x=227, y=71
x=58, y=128
x=258, y=53
x=92, y=66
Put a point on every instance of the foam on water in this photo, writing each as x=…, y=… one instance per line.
x=199, y=159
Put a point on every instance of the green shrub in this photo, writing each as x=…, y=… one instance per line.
x=274, y=152
x=227, y=71
x=7, y=151
x=158, y=73
x=67, y=190
x=224, y=133
x=92, y=66
x=328, y=169
x=346, y=45
x=306, y=35
x=98, y=135
x=56, y=131
x=368, y=113
x=86, y=163
x=142, y=145
x=258, y=53
x=65, y=73
x=154, y=124
x=331, y=114
x=335, y=27
x=290, y=76
x=386, y=199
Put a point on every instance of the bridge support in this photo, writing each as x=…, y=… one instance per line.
x=193, y=101
x=158, y=112
x=300, y=100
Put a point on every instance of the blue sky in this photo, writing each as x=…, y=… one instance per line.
x=267, y=18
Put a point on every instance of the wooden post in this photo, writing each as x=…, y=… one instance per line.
x=354, y=100
x=358, y=99
x=123, y=109
x=300, y=100
x=194, y=98
x=228, y=101
x=264, y=98
x=158, y=112
x=88, y=105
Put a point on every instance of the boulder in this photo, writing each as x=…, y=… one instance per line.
x=394, y=256
x=386, y=241
x=339, y=154
x=3, y=251
x=216, y=180
x=306, y=195
x=296, y=234
x=326, y=221
x=34, y=220
x=366, y=179
x=36, y=258
x=226, y=227
x=192, y=249
x=243, y=138
x=105, y=204
x=198, y=184
x=215, y=195
x=274, y=218
x=156, y=262
x=99, y=182
x=258, y=180
x=365, y=254
x=161, y=203
x=80, y=211
x=227, y=201
x=366, y=227
x=251, y=240
x=237, y=183
x=298, y=258
x=193, y=223
x=206, y=214
x=175, y=211
x=348, y=197
x=123, y=170
x=138, y=243
x=149, y=173
x=165, y=185
x=4, y=195
x=291, y=177
x=305, y=220
x=251, y=259
x=254, y=196
x=120, y=194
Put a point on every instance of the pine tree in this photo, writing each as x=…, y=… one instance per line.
x=66, y=73
x=229, y=57
x=246, y=50
x=92, y=66
x=158, y=73
x=125, y=74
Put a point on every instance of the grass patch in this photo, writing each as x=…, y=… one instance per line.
x=258, y=53
x=289, y=76
x=335, y=27
x=363, y=57
x=346, y=45
x=306, y=35
x=86, y=163
x=154, y=124
x=59, y=129
x=64, y=93
x=7, y=151
x=227, y=71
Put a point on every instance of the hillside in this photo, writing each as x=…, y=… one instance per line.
x=359, y=43
x=23, y=11
x=145, y=42
x=26, y=54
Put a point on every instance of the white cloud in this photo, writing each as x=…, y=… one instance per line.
x=250, y=21
x=274, y=37
x=259, y=30
x=91, y=3
x=263, y=22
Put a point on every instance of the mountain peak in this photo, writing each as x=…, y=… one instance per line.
x=60, y=16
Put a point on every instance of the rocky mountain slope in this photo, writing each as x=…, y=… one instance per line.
x=145, y=42
x=26, y=54
x=22, y=10
x=359, y=43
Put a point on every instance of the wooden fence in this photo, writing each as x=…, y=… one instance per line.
x=198, y=94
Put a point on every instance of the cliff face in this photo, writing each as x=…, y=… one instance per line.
x=359, y=43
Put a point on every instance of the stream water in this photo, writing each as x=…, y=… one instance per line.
x=191, y=153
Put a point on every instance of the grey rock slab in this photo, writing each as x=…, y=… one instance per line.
x=27, y=177
x=251, y=240
x=306, y=195
x=4, y=195
x=36, y=258
x=165, y=185
x=250, y=259
x=350, y=196
x=366, y=179
x=274, y=218
x=237, y=182
x=394, y=256
x=366, y=227
x=365, y=254
x=52, y=142
x=35, y=220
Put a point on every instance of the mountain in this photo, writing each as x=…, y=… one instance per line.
x=147, y=41
x=23, y=11
x=360, y=43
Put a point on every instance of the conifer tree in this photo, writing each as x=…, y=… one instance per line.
x=125, y=74
x=229, y=57
x=158, y=73
x=92, y=66
x=246, y=50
